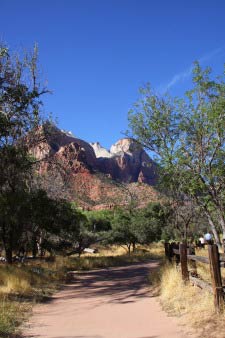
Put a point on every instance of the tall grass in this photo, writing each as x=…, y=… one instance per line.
x=193, y=305
x=20, y=286
x=12, y=313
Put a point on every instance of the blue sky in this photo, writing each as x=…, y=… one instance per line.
x=95, y=54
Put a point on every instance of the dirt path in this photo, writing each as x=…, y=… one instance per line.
x=109, y=303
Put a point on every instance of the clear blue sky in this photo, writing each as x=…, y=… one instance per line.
x=95, y=54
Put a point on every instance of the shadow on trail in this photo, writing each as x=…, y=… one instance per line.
x=82, y=337
x=121, y=284
x=96, y=337
x=33, y=336
x=36, y=336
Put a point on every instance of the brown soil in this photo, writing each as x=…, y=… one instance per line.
x=109, y=303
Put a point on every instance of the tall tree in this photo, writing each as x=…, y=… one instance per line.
x=188, y=138
x=123, y=229
x=20, y=115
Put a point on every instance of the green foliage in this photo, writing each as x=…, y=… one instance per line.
x=29, y=219
x=20, y=94
x=123, y=230
x=142, y=226
x=149, y=222
x=99, y=220
x=19, y=115
x=187, y=137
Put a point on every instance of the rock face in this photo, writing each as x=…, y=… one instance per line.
x=126, y=162
x=100, y=151
x=90, y=171
x=59, y=140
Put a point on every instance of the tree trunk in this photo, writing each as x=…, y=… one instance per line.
x=185, y=233
x=8, y=255
x=134, y=246
x=128, y=247
x=213, y=228
x=80, y=248
x=223, y=241
x=222, y=224
x=34, y=246
x=7, y=243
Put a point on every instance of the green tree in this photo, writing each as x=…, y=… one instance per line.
x=12, y=217
x=20, y=115
x=99, y=220
x=187, y=137
x=149, y=222
x=143, y=226
x=123, y=229
x=55, y=225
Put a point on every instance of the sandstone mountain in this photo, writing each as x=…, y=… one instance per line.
x=126, y=162
x=93, y=176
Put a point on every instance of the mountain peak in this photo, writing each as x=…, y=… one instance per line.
x=122, y=146
x=125, y=145
x=99, y=150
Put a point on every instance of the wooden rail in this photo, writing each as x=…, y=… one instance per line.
x=222, y=257
x=200, y=259
x=201, y=284
x=183, y=254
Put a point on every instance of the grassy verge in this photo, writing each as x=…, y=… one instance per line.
x=22, y=285
x=12, y=314
x=203, y=269
x=194, y=306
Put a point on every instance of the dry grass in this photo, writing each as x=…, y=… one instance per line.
x=193, y=305
x=14, y=280
x=12, y=313
x=157, y=250
x=178, y=297
x=23, y=281
x=20, y=287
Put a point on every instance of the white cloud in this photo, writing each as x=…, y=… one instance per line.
x=182, y=76
x=179, y=77
x=210, y=55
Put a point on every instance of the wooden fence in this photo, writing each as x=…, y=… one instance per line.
x=182, y=254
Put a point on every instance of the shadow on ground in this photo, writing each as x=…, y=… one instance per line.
x=121, y=284
x=36, y=336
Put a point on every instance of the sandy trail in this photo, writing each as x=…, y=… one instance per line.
x=109, y=303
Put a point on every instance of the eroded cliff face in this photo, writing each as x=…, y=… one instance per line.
x=126, y=162
x=67, y=145
x=91, y=173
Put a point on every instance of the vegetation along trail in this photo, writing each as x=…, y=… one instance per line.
x=106, y=303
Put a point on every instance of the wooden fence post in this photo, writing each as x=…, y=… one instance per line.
x=216, y=277
x=193, y=265
x=167, y=250
x=177, y=257
x=183, y=262
x=171, y=253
